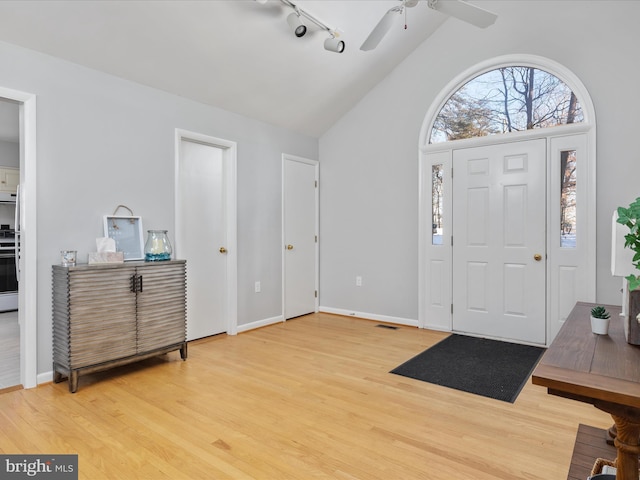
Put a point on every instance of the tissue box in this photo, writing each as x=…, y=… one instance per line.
x=106, y=257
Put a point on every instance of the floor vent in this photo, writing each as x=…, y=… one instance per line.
x=390, y=327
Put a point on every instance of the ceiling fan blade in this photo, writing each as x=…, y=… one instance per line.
x=464, y=11
x=381, y=29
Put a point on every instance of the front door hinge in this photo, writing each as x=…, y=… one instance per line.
x=316, y=183
x=316, y=293
x=316, y=238
x=452, y=309
x=452, y=240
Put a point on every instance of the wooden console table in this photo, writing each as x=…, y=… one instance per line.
x=603, y=370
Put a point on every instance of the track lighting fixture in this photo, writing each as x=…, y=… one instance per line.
x=294, y=19
x=296, y=24
x=334, y=45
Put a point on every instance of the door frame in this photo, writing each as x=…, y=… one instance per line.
x=28, y=291
x=229, y=155
x=435, y=307
x=293, y=158
x=438, y=315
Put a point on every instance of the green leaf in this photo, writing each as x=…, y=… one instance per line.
x=634, y=282
x=600, y=312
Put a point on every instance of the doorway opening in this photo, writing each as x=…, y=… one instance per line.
x=206, y=231
x=450, y=276
x=9, y=180
x=25, y=234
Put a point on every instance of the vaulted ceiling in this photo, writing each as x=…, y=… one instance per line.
x=238, y=55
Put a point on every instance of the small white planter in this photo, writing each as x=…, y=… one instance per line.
x=600, y=326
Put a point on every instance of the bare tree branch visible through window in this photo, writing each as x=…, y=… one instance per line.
x=507, y=99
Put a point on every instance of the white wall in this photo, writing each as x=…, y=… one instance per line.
x=369, y=159
x=103, y=141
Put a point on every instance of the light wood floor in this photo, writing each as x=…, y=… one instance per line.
x=308, y=399
x=9, y=350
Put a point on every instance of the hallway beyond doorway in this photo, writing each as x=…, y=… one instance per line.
x=9, y=350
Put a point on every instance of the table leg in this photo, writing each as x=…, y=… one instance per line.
x=627, y=443
x=611, y=434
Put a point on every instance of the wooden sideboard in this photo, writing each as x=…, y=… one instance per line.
x=603, y=370
x=107, y=315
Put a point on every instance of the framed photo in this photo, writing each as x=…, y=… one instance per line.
x=127, y=233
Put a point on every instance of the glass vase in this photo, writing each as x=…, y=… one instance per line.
x=157, y=247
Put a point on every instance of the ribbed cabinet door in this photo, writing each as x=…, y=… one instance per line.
x=61, y=338
x=102, y=312
x=161, y=305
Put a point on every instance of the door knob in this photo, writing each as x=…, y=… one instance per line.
x=289, y=247
x=223, y=250
x=537, y=257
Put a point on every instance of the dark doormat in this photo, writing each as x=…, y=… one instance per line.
x=490, y=368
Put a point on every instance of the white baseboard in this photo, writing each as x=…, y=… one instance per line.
x=437, y=328
x=371, y=316
x=45, y=377
x=260, y=323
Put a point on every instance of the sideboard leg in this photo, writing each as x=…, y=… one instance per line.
x=57, y=376
x=183, y=351
x=73, y=381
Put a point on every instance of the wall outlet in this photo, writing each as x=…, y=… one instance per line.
x=258, y=287
x=358, y=281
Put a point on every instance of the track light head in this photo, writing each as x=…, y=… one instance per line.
x=296, y=24
x=334, y=45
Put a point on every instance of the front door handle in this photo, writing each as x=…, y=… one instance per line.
x=537, y=257
x=223, y=250
x=289, y=247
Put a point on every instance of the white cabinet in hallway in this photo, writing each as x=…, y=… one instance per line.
x=9, y=179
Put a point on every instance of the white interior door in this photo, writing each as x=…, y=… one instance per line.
x=201, y=236
x=300, y=221
x=499, y=239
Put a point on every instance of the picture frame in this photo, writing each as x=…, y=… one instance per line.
x=127, y=233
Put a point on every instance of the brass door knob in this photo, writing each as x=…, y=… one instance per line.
x=537, y=257
x=289, y=247
x=223, y=250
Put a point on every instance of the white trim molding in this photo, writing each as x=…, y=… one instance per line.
x=370, y=316
x=260, y=323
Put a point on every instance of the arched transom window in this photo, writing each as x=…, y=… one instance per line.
x=503, y=100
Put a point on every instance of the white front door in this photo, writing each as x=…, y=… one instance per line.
x=201, y=234
x=300, y=235
x=499, y=238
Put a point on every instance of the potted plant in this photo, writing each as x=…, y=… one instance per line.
x=630, y=217
x=600, y=320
